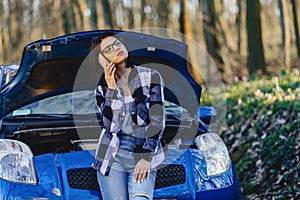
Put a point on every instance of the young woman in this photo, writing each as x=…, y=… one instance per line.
x=131, y=103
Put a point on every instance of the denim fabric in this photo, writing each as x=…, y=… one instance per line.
x=120, y=183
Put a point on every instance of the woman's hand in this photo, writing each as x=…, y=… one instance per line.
x=142, y=171
x=109, y=72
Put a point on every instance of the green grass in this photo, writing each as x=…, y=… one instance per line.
x=262, y=133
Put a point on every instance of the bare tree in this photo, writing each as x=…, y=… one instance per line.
x=296, y=26
x=94, y=17
x=209, y=25
x=107, y=13
x=285, y=33
x=186, y=29
x=256, y=58
x=212, y=28
x=224, y=29
x=142, y=11
x=199, y=25
x=15, y=17
x=130, y=15
x=241, y=22
x=226, y=41
x=163, y=13
x=78, y=15
x=67, y=16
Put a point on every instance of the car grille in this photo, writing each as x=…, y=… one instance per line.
x=86, y=178
x=169, y=175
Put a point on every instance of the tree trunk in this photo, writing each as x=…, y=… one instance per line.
x=199, y=25
x=78, y=16
x=93, y=17
x=163, y=13
x=256, y=58
x=173, y=15
x=68, y=16
x=130, y=15
x=242, y=42
x=15, y=18
x=57, y=8
x=186, y=29
x=211, y=40
x=143, y=14
x=209, y=25
x=296, y=26
x=263, y=25
x=224, y=27
x=227, y=46
x=285, y=32
x=181, y=18
x=107, y=14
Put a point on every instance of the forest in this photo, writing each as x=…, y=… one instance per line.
x=243, y=37
x=255, y=45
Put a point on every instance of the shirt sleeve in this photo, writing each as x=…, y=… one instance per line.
x=104, y=98
x=156, y=112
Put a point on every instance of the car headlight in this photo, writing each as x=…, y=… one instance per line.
x=215, y=152
x=16, y=162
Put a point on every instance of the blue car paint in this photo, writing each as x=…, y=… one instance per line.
x=48, y=179
x=52, y=175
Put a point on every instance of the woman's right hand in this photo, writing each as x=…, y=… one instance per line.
x=109, y=72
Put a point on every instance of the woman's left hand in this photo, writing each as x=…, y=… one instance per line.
x=142, y=171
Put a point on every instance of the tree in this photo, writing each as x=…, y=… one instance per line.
x=296, y=26
x=225, y=40
x=256, y=58
x=107, y=13
x=217, y=47
x=285, y=33
x=94, y=18
x=241, y=22
x=209, y=26
x=186, y=29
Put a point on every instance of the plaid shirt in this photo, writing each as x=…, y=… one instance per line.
x=146, y=86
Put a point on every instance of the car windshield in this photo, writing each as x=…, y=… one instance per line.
x=76, y=103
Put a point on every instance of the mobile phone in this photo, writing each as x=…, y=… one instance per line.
x=106, y=59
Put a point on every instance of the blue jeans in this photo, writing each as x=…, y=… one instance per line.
x=120, y=183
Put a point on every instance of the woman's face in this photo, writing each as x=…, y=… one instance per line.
x=113, y=49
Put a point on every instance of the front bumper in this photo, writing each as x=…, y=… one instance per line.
x=69, y=176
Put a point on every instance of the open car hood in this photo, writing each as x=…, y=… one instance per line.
x=50, y=67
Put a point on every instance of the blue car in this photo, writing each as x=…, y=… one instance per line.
x=49, y=125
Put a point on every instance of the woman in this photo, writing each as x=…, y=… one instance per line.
x=131, y=102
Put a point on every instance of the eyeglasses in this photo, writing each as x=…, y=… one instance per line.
x=108, y=49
